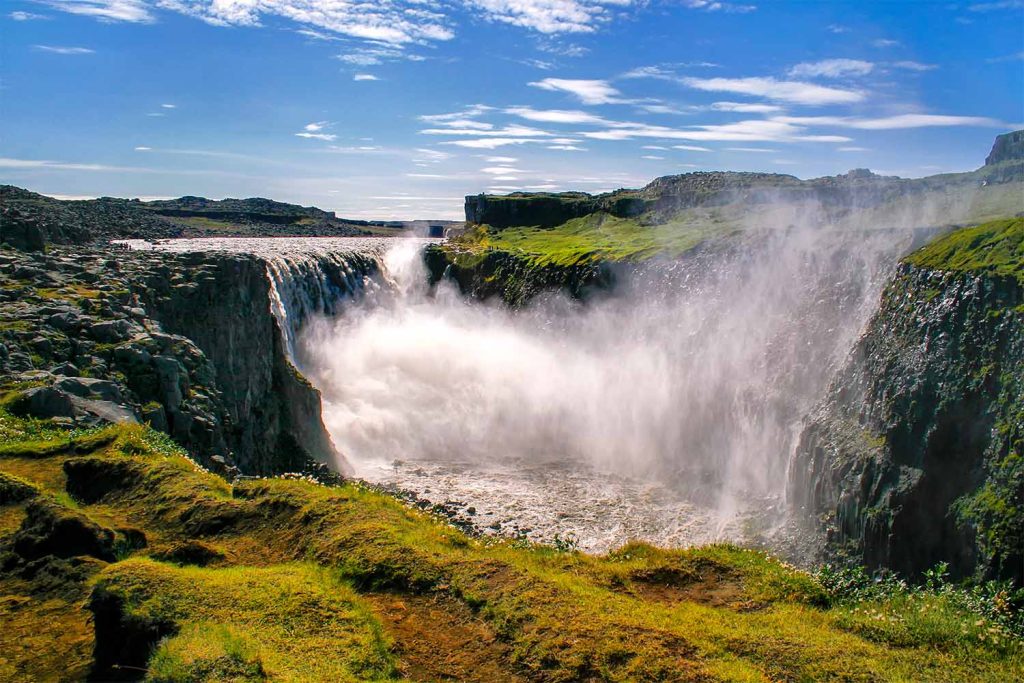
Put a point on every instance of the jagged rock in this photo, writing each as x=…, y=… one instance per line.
x=92, y=412
x=86, y=387
x=109, y=330
x=45, y=402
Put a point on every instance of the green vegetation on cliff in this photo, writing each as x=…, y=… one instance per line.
x=595, y=238
x=994, y=248
x=191, y=578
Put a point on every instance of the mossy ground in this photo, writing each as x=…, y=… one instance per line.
x=595, y=238
x=305, y=582
x=993, y=248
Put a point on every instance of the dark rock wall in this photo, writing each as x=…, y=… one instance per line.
x=222, y=303
x=915, y=456
x=515, y=280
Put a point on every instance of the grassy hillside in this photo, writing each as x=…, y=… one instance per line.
x=190, y=578
x=995, y=248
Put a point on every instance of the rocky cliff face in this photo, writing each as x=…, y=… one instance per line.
x=185, y=342
x=915, y=457
x=222, y=303
x=1007, y=147
x=514, y=279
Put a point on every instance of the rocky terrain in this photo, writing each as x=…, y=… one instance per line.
x=915, y=457
x=29, y=220
x=186, y=343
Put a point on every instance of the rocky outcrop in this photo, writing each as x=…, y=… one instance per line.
x=222, y=303
x=1007, y=147
x=513, y=278
x=184, y=342
x=915, y=457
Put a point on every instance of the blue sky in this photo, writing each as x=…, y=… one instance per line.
x=396, y=109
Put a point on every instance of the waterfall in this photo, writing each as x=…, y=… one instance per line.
x=303, y=284
x=695, y=372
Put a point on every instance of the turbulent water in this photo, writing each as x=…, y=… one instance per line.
x=665, y=410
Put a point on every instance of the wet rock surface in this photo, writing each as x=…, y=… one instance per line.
x=909, y=460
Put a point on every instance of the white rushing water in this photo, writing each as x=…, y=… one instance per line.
x=665, y=410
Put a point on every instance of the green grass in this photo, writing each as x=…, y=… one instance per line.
x=291, y=622
x=597, y=237
x=995, y=248
x=291, y=595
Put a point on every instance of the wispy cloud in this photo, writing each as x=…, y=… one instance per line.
x=62, y=165
x=831, y=68
x=169, y=106
x=63, y=50
x=914, y=66
x=26, y=16
x=387, y=23
x=996, y=6
x=899, y=122
x=757, y=150
x=131, y=11
x=796, y=92
x=713, y=6
x=588, y=91
x=885, y=42
x=365, y=77
x=314, y=131
x=549, y=16
x=327, y=137
x=746, y=107
x=556, y=116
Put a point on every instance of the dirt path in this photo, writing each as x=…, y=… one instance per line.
x=437, y=638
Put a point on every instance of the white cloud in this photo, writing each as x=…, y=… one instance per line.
x=169, y=106
x=470, y=112
x=750, y=149
x=62, y=165
x=556, y=115
x=652, y=157
x=837, y=28
x=852, y=149
x=746, y=108
x=365, y=77
x=714, y=6
x=510, y=131
x=567, y=148
x=796, y=92
x=656, y=147
x=995, y=6
x=691, y=148
x=501, y=160
x=387, y=23
x=549, y=16
x=315, y=126
x=501, y=170
x=328, y=137
x=832, y=68
x=914, y=66
x=134, y=11
x=491, y=143
x=759, y=130
x=142, y=149
x=62, y=50
x=899, y=122
x=885, y=42
x=588, y=91
x=26, y=16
